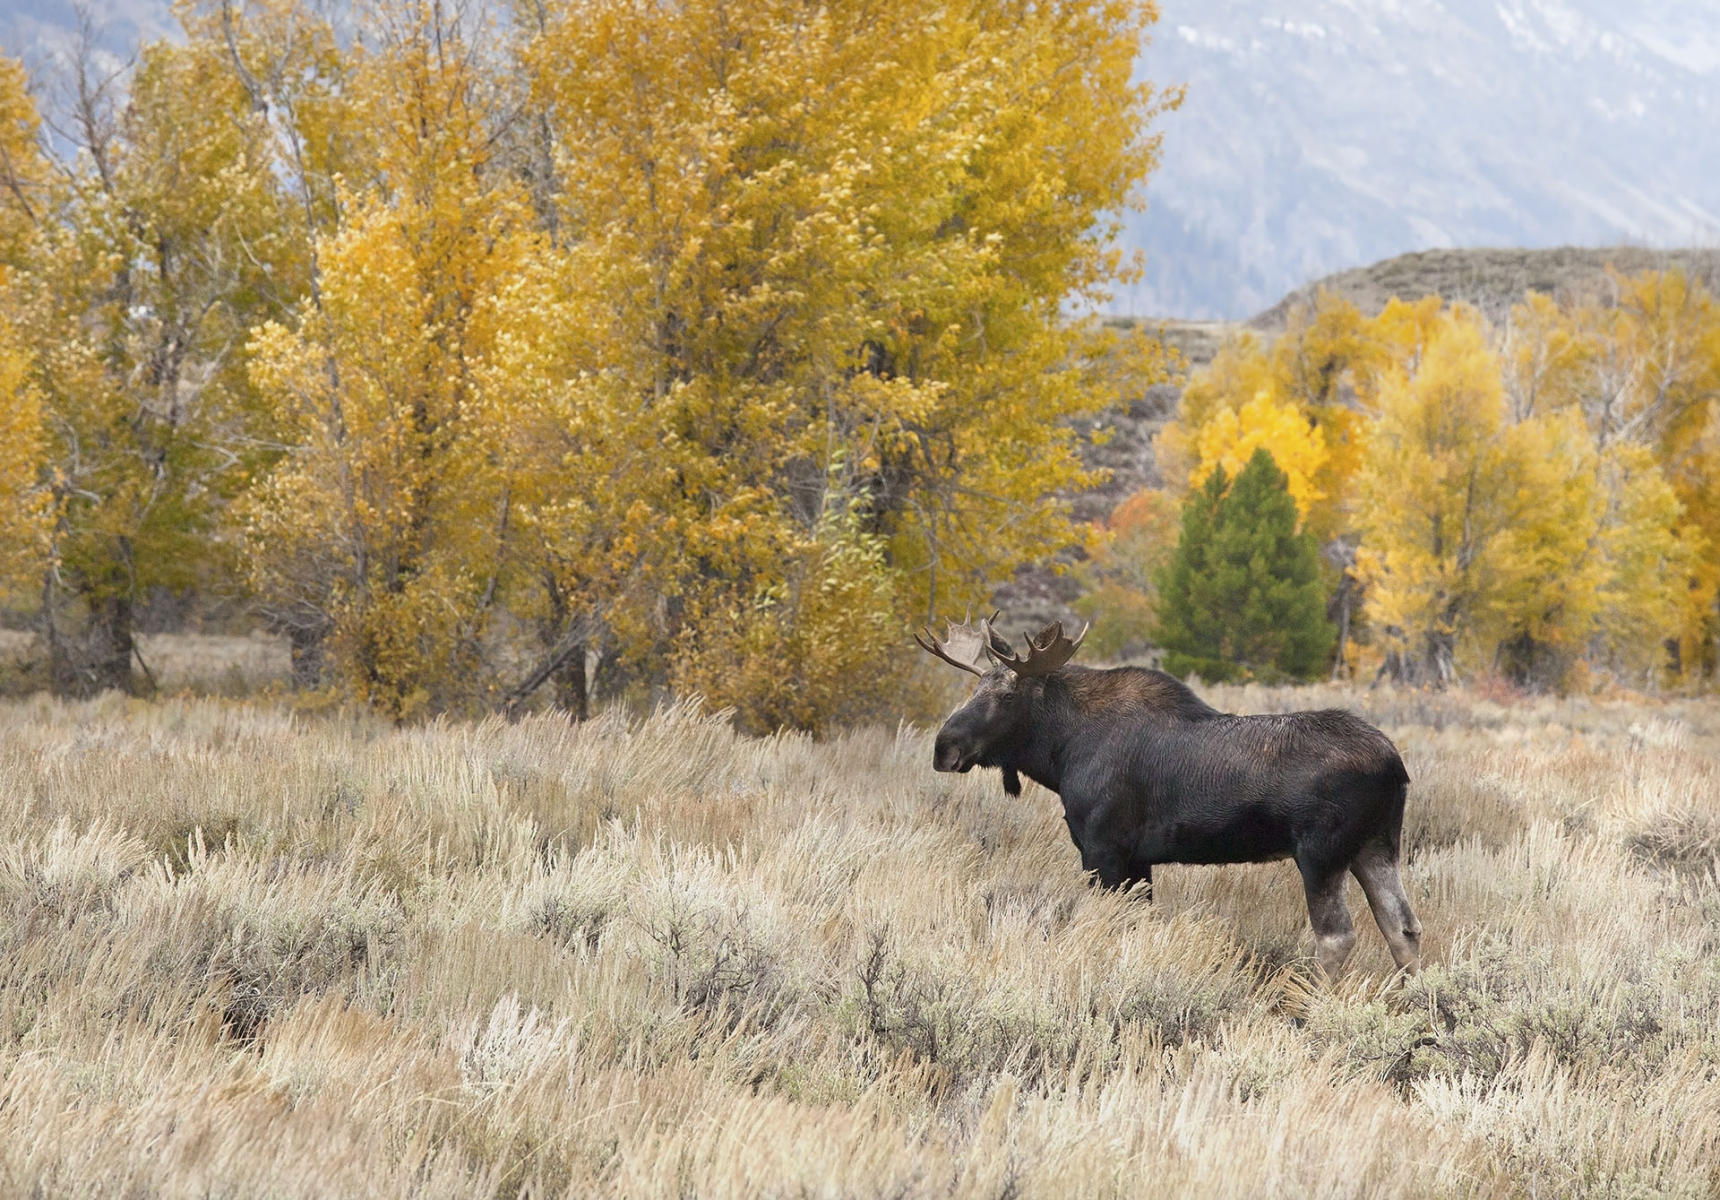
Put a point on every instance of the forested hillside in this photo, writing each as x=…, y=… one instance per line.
x=1529, y=488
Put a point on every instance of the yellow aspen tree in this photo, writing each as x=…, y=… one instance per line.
x=1695, y=480
x=1465, y=517
x=1328, y=364
x=1328, y=347
x=136, y=291
x=1241, y=370
x=1548, y=357
x=24, y=202
x=1232, y=436
x=1650, y=376
x=831, y=250
x=1402, y=331
x=1662, y=329
x=384, y=534
x=1666, y=326
x=591, y=475
x=287, y=58
x=24, y=497
x=24, y=173
x=1650, y=554
x=1538, y=583
x=1323, y=368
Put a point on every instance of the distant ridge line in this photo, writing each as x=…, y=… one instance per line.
x=1492, y=279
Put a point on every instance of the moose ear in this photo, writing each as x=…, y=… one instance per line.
x=997, y=643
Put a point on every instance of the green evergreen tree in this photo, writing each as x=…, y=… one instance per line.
x=1241, y=597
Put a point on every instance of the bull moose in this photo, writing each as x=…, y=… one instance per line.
x=1149, y=773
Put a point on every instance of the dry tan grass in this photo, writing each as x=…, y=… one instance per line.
x=244, y=953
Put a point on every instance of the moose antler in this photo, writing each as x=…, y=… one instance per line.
x=1046, y=652
x=967, y=641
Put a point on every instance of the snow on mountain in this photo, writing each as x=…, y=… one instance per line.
x=1344, y=131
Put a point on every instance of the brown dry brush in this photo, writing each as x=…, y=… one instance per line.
x=247, y=953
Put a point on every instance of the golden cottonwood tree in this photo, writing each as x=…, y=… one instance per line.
x=1642, y=366
x=1228, y=441
x=1475, y=530
x=382, y=537
x=1307, y=396
x=145, y=267
x=829, y=251
x=286, y=57
x=1548, y=357
x=24, y=511
x=1650, y=555
x=1241, y=370
x=1434, y=450
x=24, y=201
x=24, y=178
x=1664, y=332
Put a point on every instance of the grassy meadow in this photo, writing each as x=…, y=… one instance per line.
x=246, y=952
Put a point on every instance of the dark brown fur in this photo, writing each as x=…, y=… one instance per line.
x=1149, y=773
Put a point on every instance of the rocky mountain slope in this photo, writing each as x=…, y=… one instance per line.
x=1492, y=280
x=1331, y=133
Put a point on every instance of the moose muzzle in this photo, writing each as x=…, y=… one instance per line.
x=947, y=755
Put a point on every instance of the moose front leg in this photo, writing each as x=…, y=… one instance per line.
x=1104, y=866
x=1333, y=932
x=1113, y=870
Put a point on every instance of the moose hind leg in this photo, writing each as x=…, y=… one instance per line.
x=1376, y=869
x=1333, y=932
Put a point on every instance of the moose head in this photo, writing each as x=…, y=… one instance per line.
x=1004, y=711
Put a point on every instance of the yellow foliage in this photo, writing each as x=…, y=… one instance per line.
x=385, y=534
x=24, y=176
x=133, y=279
x=803, y=654
x=1474, y=530
x=1304, y=397
x=723, y=339
x=1232, y=436
x=1403, y=330
x=1527, y=498
x=1549, y=358
x=1241, y=370
x=1650, y=556
x=758, y=343
x=24, y=496
x=827, y=253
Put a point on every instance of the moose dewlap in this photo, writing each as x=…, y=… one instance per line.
x=1149, y=773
